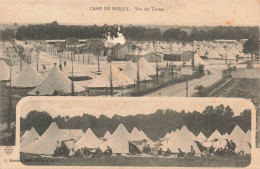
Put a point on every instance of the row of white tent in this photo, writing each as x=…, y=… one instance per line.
x=119, y=140
x=57, y=80
x=31, y=142
x=28, y=78
x=123, y=78
x=213, y=50
x=184, y=139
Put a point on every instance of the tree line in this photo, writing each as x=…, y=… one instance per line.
x=138, y=33
x=155, y=125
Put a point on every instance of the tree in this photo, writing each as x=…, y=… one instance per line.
x=201, y=69
x=228, y=112
x=39, y=120
x=7, y=35
x=252, y=47
x=200, y=91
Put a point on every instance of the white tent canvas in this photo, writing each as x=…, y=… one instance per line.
x=135, y=134
x=150, y=47
x=118, y=78
x=167, y=135
x=248, y=134
x=177, y=131
x=69, y=135
x=107, y=135
x=184, y=141
x=143, y=136
x=240, y=139
x=47, y=143
x=30, y=138
x=25, y=134
x=89, y=140
x=118, y=141
x=215, y=135
x=201, y=137
x=64, y=131
x=146, y=67
x=220, y=50
x=56, y=81
x=5, y=71
x=75, y=134
x=234, y=50
x=28, y=77
x=197, y=61
x=172, y=134
x=225, y=136
x=184, y=129
x=229, y=56
x=131, y=71
x=212, y=54
x=216, y=140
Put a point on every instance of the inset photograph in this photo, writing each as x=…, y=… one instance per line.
x=168, y=132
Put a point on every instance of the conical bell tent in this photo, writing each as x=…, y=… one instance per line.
x=107, y=135
x=47, y=143
x=146, y=67
x=240, y=139
x=5, y=71
x=118, y=78
x=135, y=134
x=30, y=138
x=201, y=137
x=184, y=140
x=25, y=134
x=55, y=82
x=28, y=77
x=215, y=135
x=89, y=140
x=118, y=141
x=131, y=71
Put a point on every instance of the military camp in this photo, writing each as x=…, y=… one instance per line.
x=156, y=137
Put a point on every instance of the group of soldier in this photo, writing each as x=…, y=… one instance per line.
x=83, y=152
x=229, y=150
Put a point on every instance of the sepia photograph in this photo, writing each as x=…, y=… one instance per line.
x=155, y=83
x=180, y=132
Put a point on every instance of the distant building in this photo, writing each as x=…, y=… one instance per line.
x=244, y=40
x=153, y=57
x=185, y=56
x=105, y=51
x=55, y=41
x=120, y=52
x=225, y=41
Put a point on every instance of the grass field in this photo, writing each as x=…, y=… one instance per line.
x=243, y=88
x=233, y=161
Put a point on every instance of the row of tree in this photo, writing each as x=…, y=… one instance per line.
x=141, y=33
x=155, y=125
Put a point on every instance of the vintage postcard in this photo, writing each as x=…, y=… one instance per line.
x=127, y=50
x=141, y=132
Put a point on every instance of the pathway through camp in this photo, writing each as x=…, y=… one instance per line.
x=180, y=88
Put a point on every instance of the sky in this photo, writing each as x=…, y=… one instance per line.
x=108, y=106
x=176, y=12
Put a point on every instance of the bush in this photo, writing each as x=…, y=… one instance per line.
x=200, y=91
x=201, y=69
